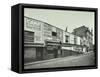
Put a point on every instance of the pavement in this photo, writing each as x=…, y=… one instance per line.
x=80, y=60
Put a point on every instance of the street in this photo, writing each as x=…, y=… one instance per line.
x=80, y=60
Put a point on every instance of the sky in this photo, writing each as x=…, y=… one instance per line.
x=62, y=18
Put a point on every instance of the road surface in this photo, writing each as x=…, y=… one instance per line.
x=81, y=60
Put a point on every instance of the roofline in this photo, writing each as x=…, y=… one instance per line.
x=43, y=22
x=50, y=25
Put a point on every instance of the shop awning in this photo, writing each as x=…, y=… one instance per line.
x=53, y=43
x=31, y=44
x=70, y=45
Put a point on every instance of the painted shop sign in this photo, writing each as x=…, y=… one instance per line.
x=32, y=24
x=52, y=44
x=47, y=29
x=52, y=47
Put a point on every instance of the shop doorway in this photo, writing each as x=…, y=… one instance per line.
x=55, y=53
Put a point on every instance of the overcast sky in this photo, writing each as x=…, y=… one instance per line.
x=62, y=18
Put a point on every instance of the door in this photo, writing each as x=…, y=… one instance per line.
x=39, y=53
x=55, y=53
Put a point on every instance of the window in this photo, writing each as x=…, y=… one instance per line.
x=75, y=40
x=54, y=34
x=28, y=36
x=67, y=39
x=80, y=42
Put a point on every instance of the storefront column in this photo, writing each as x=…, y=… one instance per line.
x=45, y=54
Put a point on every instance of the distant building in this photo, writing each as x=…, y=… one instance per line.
x=71, y=42
x=86, y=36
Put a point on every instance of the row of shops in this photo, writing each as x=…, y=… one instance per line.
x=37, y=52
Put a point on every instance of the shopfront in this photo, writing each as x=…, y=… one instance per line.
x=71, y=49
x=33, y=52
x=53, y=49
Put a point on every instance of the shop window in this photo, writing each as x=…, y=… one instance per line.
x=28, y=36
